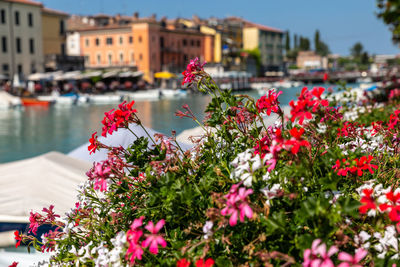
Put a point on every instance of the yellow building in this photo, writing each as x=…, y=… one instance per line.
x=54, y=34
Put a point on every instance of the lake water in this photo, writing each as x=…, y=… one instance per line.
x=36, y=130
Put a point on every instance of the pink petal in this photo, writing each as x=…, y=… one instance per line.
x=233, y=218
x=159, y=225
x=332, y=250
x=146, y=242
x=360, y=254
x=150, y=226
x=343, y=256
x=327, y=263
x=314, y=245
x=153, y=247
x=161, y=241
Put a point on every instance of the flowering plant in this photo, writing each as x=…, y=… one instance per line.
x=316, y=188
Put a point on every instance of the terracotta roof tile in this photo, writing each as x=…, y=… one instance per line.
x=27, y=2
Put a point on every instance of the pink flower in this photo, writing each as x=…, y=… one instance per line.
x=133, y=235
x=237, y=205
x=154, y=239
x=318, y=256
x=350, y=261
x=189, y=75
x=34, y=220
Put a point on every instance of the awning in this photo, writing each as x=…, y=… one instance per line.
x=126, y=74
x=164, y=75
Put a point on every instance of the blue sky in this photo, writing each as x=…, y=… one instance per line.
x=341, y=22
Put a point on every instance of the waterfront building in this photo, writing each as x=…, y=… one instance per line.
x=144, y=44
x=269, y=43
x=309, y=60
x=21, y=42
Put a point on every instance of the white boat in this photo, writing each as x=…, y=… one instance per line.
x=153, y=94
x=59, y=100
x=9, y=101
x=172, y=93
x=105, y=99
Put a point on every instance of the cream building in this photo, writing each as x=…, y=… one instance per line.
x=21, y=44
x=268, y=41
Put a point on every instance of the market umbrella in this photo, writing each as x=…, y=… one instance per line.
x=164, y=75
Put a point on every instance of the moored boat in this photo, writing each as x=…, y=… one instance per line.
x=28, y=101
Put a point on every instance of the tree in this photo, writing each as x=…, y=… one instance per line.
x=364, y=58
x=316, y=41
x=323, y=49
x=304, y=44
x=287, y=45
x=296, y=44
x=357, y=50
x=389, y=12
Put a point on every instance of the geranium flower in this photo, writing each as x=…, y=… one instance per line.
x=93, y=143
x=183, y=263
x=14, y=264
x=351, y=261
x=237, y=205
x=120, y=118
x=34, y=219
x=154, y=239
x=189, y=75
x=318, y=256
x=269, y=103
x=367, y=200
x=17, y=237
x=135, y=250
x=393, y=206
x=208, y=263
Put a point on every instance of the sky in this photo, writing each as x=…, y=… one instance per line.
x=341, y=23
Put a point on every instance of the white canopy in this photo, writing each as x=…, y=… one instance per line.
x=31, y=184
x=122, y=138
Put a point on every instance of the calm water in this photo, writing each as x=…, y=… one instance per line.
x=37, y=130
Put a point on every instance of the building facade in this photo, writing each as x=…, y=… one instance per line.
x=268, y=41
x=21, y=43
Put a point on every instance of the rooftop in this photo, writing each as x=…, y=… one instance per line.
x=54, y=12
x=26, y=2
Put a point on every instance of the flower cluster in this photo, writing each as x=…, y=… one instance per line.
x=269, y=103
x=237, y=204
x=308, y=102
x=192, y=71
x=120, y=118
x=354, y=166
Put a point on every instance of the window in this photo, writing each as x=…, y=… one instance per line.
x=87, y=60
x=97, y=41
x=30, y=19
x=132, y=57
x=3, y=16
x=184, y=42
x=5, y=67
x=4, y=44
x=62, y=27
x=18, y=45
x=185, y=58
x=109, y=40
x=121, y=58
x=31, y=46
x=140, y=56
x=198, y=43
x=121, y=40
x=192, y=42
x=140, y=39
x=33, y=67
x=87, y=42
x=130, y=39
x=98, y=59
x=63, y=49
x=109, y=59
x=162, y=42
x=19, y=68
x=16, y=17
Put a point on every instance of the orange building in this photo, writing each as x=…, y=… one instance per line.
x=146, y=44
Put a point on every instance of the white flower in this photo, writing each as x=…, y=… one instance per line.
x=207, y=229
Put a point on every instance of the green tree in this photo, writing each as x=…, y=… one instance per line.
x=317, y=41
x=364, y=58
x=296, y=44
x=287, y=40
x=389, y=12
x=304, y=44
x=357, y=50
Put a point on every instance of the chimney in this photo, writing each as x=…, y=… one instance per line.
x=136, y=15
x=153, y=17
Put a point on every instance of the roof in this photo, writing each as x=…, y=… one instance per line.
x=26, y=2
x=255, y=25
x=54, y=12
x=101, y=28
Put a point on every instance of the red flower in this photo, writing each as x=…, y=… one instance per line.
x=394, y=207
x=93, y=143
x=269, y=103
x=356, y=166
x=14, y=264
x=208, y=263
x=17, y=237
x=296, y=142
x=120, y=118
x=367, y=200
x=183, y=263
